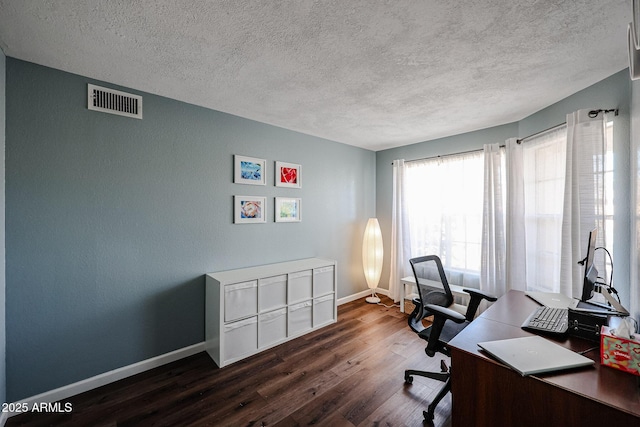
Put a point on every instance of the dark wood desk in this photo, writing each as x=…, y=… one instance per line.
x=487, y=393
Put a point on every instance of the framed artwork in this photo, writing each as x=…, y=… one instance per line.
x=249, y=170
x=288, y=175
x=288, y=209
x=249, y=209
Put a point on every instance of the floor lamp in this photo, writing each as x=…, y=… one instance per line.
x=372, y=257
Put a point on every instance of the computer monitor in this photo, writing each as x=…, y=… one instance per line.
x=590, y=271
x=589, y=287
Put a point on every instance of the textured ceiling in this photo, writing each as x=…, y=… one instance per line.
x=373, y=74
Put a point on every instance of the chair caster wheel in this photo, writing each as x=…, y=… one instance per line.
x=408, y=379
x=428, y=417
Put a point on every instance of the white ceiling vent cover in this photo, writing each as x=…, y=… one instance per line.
x=114, y=101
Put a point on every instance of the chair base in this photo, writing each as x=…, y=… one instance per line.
x=440, y=376
x=444, y=376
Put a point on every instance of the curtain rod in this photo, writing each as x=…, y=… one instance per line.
x=445, y=155
x=592, y=114
x=552, y=128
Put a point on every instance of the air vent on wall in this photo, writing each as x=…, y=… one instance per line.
x=114, y=101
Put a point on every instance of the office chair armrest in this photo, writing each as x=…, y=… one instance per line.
x=440, y=317
x=416, y=316
x=476, y=297
x=446, y=313
x=480, y=294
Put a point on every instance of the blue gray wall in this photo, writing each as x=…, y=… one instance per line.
x=3, y=378
x=112, y=222
x=613, y=92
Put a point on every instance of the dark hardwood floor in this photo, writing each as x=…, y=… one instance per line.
x=346, y=374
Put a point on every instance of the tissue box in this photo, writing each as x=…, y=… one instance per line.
x=620, y=353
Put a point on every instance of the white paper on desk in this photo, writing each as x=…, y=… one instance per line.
x=534, y=355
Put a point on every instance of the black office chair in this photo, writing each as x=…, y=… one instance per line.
x=448, y=319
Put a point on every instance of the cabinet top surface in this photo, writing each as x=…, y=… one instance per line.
x=269, y=270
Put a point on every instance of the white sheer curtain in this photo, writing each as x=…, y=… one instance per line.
x=400, y=238
x=494, y=251
x=444, y=211
x=515, y=235
x=543, y=173
x=524, y=226
x=555, y=194
x=584, y=201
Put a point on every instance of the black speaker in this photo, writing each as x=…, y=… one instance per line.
x=586, y=325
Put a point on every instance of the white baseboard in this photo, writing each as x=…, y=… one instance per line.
x=362, y=294
x=106, y=378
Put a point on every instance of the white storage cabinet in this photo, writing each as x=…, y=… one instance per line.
x=252, y=309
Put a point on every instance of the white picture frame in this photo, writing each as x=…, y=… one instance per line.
x=249, y=170
x=288, y=175
x=249, y=209
x=288, y=209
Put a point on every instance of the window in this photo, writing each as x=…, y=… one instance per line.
x=604, y=209
x=444, y=199
x=544, y=175
x=543, y=160
x=444, y=209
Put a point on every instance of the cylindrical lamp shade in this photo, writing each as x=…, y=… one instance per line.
x=372, y=253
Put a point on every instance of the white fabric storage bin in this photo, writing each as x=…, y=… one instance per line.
x=323, y=281
x=272, y=327
x=240, y=300
x=272, y=293
x=300, y=284
x=300, y=317
x=323, y=310
x=240, y=338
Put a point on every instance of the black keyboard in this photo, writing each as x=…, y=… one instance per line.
x=545, y=319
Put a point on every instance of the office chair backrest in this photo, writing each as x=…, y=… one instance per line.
x=428, y=271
